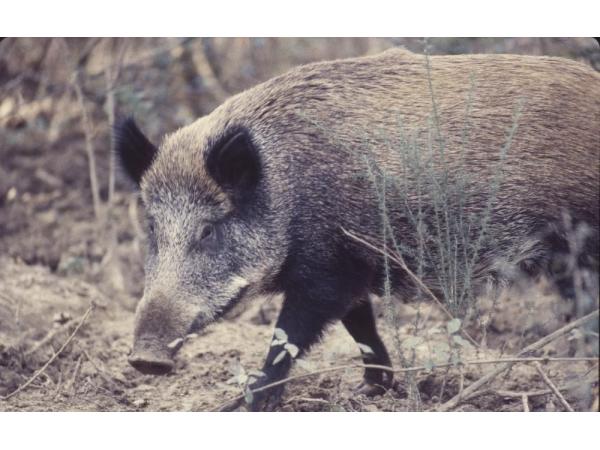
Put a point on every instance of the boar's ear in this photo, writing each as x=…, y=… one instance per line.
x=134, y=150
x=234, y=162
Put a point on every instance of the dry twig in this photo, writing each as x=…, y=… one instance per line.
x=552, y=387
x=400, y=261
x=537, y=393
x=51, y=360
x=226, y=406
x=111, y=76
x=89, y=144
x=106, y=377
x=454, y=401
x=525, y=401
x=71, y=384
x=48, y=338
x=307, y=400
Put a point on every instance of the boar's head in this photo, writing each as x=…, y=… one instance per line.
x=210, y=237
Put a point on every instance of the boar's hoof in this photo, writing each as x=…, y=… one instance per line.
x=369, y=389
x=268, y=400
x=151, y=366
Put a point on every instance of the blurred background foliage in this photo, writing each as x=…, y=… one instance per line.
x=59, y=97
x=168, y=82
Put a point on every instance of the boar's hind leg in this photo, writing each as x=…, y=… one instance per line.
x=360, y=323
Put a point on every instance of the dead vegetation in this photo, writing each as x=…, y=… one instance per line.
x=71, y=244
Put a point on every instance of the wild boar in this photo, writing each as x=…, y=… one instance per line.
x=258, y=196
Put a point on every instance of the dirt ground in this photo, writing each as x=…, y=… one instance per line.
x=91, y=374
x=57, y=259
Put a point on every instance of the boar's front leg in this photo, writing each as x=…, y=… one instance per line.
x=302, y=326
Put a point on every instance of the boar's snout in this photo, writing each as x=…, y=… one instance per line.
x=151, y=357
x=161, y=323
x=150, y=364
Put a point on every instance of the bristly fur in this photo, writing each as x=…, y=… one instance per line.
x=314, y=131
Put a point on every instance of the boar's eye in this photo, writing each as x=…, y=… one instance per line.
x=207, y=232
x=208, y=238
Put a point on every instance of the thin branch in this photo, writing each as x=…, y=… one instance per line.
x=537, y=393
x=207, y=72
x=71, y=384
x=51, y=360
x=48, y=338
x=111, y=75
x=400, y=261
x=453, y=402
x=234, y=401
x=88, y=132
x=525, y=401
x=552, y=387
x=307, y=400
x=106, y=377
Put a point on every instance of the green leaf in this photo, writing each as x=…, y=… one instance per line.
x=455, y=359
x=276, y=342
x=279, y=357
x=453, y=326
x=429, y=365
x=440, y=347
x=303, y=364
x=291, y=349
x=458, y=340
x=412, y=341
x=232, y=380
x=280, y=334
x=365, y=349
x=434, y=330
x=257, y=373
x=236, y=368
x=248, y=396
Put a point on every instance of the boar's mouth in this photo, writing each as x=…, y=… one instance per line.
x=232, y=302
x=201, y=322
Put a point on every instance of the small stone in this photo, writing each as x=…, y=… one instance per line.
x=88, y=369
x=11, y=194
x=371, y=408
x=61, y=318
x=140, y=403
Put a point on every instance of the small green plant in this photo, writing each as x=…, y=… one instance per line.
x=243, y=379
x=281, y=338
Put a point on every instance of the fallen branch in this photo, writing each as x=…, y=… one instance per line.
x=307, y=400
x=453, y=402
x=552, y=387
x=48, y=338
x=51, y=360
x=86, y=121
x=537, y=393
x=400, y=261
x=525, y=401
x=71, y=384
x=89, y=145
x=226, y=406
x=101, y=372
